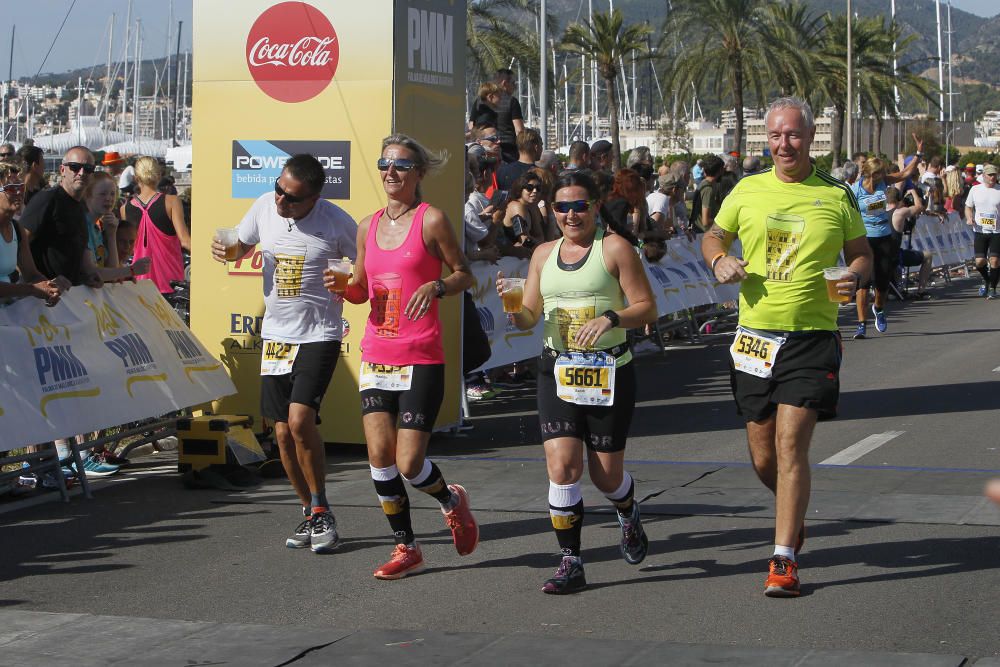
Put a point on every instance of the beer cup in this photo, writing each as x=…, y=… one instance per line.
x=230, y=238
x=341, y=269
x=834, y=275
x=512, y=293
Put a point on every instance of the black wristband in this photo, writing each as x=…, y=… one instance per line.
x=613, y=317
x=440, y=287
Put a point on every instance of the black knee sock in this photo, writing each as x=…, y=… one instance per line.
x=624, y=498
x=994, y=277
x=395, y=503
x=568, y=524
x=984, y=271
x=431, y=481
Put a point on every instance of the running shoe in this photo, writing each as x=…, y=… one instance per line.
x=93, y=466
x=302, y=537
x=569, y=578
x=861, y=331
x=110, y=458
x=992, y=295
x=783, y=578
x=49, y=480
x=406, y=560
x=634, y=543
x=323, y=537
x=982, y=290
x=880, y=323
x=464, y=529
x=478, y=392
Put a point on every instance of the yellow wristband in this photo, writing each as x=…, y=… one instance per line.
x=715, y=260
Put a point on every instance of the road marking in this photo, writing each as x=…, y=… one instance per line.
x=860, y=448
x=997, y=369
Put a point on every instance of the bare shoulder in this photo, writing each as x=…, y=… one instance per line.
x=365, y=224
x=516, y=208
x=543, y=251
x=617, y=246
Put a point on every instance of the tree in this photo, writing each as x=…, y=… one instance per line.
x=493, y=37
x=606, y=41
x=729, y=43
x=794, y=26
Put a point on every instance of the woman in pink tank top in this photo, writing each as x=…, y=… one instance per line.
x=400, y=252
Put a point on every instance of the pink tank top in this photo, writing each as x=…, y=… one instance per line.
x=393, y=276
x=166, y=262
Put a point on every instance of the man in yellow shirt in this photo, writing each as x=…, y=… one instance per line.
x=793, y=221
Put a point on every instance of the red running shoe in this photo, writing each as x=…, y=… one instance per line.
x=783, y=579
x=464, y=529
x=405, y=561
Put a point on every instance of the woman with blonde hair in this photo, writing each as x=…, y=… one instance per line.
x=159, y=218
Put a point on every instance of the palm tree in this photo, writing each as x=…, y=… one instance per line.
x=494, y=36
x=606, y=41
x=729, y=43
x=794, y=25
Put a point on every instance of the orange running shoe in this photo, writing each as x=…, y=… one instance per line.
x=405, y=561
x=783, y=580
x=464, y=529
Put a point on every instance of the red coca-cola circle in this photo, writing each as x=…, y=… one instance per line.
x=292, y=51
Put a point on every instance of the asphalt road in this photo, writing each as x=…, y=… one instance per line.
x=902, y=552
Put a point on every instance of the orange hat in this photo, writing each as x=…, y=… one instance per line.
x=112, y=157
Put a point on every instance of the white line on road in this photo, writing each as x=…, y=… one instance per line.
x=860, y=448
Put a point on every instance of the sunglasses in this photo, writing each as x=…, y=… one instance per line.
x=531, y=187
x=4, y=156
x=578, y=206
x=12, y=188
x=400, y=165
x=289, y=199
x=492, y=138
x=75, y=167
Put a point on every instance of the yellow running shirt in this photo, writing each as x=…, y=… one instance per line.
x=790, y=232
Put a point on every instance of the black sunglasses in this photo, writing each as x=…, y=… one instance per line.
x=492, y=138
x=4, y=156
x=75, y=167
x=400, y=164
x=289, y=199
x=12, y=188
x=531, y=187
x=579, y=206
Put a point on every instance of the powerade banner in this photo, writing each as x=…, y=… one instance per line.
x=258, y=163
x=98, y=358
x=680, y=280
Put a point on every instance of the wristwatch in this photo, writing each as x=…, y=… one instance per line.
x=612, y=317
x=441, y=289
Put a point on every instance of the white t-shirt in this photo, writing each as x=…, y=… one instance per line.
x=126, y=178
x=986, y=203
x=298, y=309
x=476, y=229
x=658, y=203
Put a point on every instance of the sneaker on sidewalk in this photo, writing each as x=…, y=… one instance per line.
x=478, y=392
x=992, y=295
x=110, y=458
x=880, y=322
x=569, y=578
x=94, y=466
x=302, y=537
x=782, y=578
x=404, y=562
x=464, y=529
x=861, y=331
x=323, y=537
x=635, y=544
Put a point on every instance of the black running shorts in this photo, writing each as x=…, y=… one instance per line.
x=306, y=384
x=910, y=257
x=806, y=374
x=602, y=429
x=883, y=262
x=416, y=408
x=987, y=245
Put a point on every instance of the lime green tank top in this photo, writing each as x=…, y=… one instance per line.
x=572, y=297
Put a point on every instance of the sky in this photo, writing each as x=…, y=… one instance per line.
x=84, y=39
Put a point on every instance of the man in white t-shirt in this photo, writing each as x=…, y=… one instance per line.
x=982, y=207
x=666, y=205
x=298, y=232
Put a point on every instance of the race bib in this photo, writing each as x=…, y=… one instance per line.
x=387, y=378
x=278, y=358
x=585, y=378
x=988, y=221
x=754, y=353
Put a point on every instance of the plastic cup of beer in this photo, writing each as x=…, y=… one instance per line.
x=229, y=237
x=512, y=294
x=341, y=269
x=834, y=275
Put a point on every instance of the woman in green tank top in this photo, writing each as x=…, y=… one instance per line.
x=587, y=288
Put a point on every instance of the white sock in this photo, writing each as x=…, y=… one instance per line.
x=787, y=552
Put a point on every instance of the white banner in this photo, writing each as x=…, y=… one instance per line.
x=97, y=359
x=680, y=280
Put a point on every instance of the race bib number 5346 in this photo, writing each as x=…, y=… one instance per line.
x=755, y=352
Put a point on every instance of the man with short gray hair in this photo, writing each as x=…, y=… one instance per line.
x=751, y=165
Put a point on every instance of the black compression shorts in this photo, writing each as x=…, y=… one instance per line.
x=417, y=407
x=987, y=245
x=306, y=384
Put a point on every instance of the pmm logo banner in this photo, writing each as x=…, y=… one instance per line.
x=256, y=165
x=99, y=358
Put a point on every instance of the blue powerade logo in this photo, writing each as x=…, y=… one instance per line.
x=256, y=165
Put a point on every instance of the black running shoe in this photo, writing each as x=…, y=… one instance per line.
x=569, y=578
x=634, y=544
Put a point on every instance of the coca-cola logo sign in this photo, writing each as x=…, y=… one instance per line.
x=292, y=51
